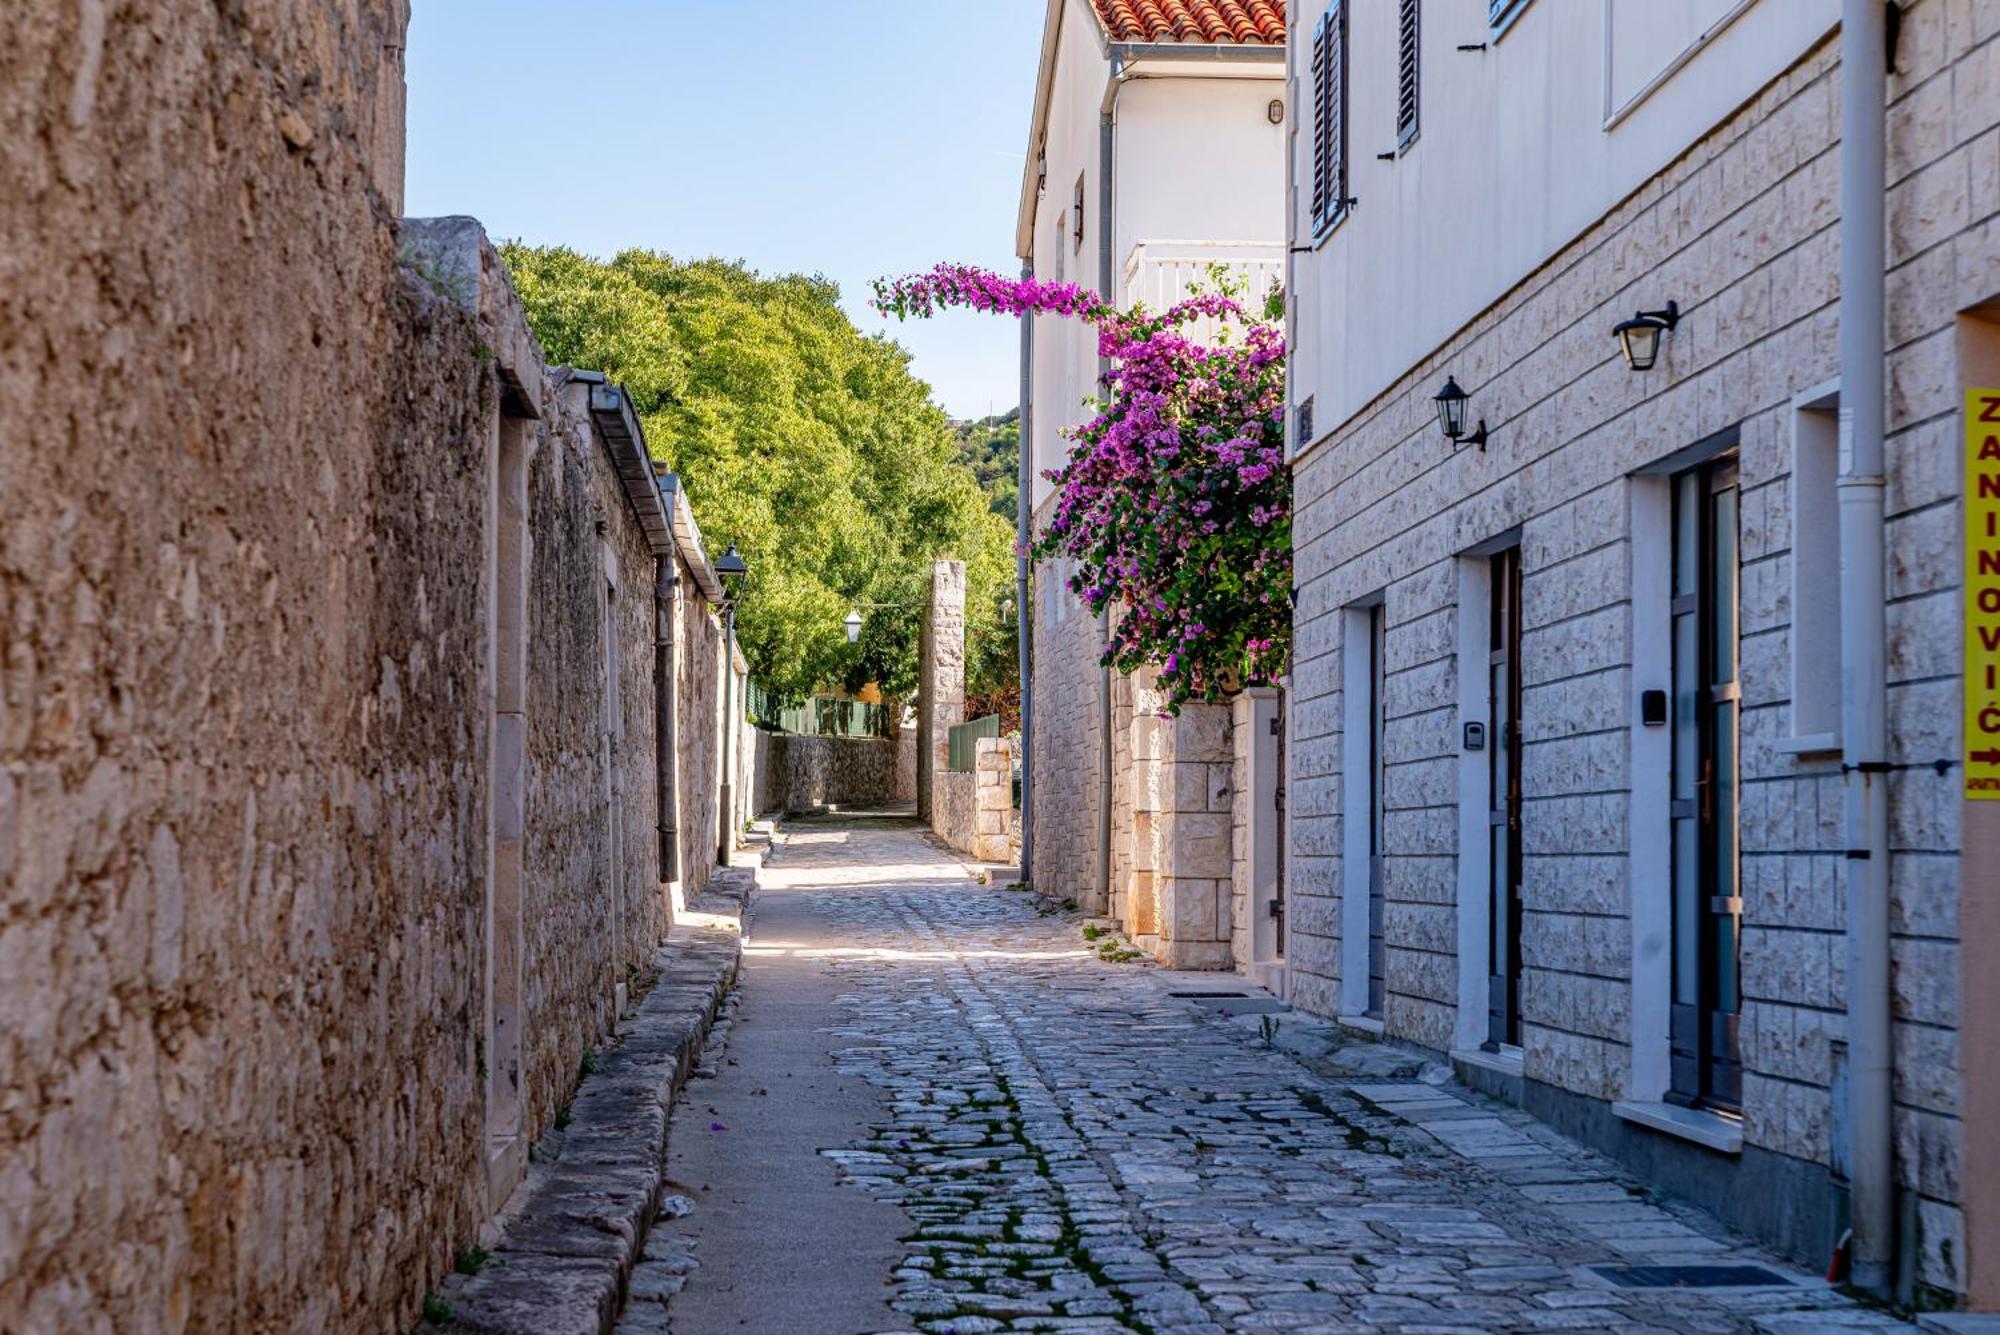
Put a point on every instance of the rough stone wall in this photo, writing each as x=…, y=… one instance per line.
x=591, y=900
x=698, y=650
x=906, y=765
x=1742, y=230
x=789, y=772
x=246, y=688
x=239, y=776
x=1066, y=760
x=940, y=675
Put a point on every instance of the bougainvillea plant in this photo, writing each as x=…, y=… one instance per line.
x=1175, y=505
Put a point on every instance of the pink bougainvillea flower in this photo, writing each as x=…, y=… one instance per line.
x=1175, y=504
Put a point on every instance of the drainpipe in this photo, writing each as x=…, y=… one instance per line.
x=1106, y=115
x=1863, y=633
x=1023, y=609
x=666, y=606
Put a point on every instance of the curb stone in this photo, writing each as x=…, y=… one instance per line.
x=563, y=1258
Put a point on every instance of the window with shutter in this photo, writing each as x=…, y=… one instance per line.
x=1407, y=68
x=1076, y=215
x=1329, y=142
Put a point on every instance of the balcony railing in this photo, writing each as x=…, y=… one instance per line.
x=1160, y=273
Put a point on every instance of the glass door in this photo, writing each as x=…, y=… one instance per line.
x=1706, y=1066
x=1503, y=817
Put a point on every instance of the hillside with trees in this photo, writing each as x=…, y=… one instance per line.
x=991, y=448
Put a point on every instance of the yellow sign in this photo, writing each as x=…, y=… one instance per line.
x=1982, y=593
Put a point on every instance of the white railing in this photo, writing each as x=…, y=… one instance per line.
x=1160, y=273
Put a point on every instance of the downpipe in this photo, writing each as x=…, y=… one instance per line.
x=1864, y=637
x=1106, y=120
x=1024, y=620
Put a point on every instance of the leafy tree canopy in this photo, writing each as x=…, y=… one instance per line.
x=991, y=448
x=807, y=444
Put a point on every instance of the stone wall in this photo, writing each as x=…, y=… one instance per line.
x=906, y=765
x=1067, y=757
x=698, y=650
x=940, y=675
x=974, y=810
x=248, y=824
x=1743, y=232
x=795, y=773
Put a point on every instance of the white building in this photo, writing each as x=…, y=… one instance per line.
x=1156, y=149
x=1571, y=759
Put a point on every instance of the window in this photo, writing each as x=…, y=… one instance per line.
x=1815, y=562
x=1704, y=1063
x=1503, y=817
x=1329, y=124
x=1076, y=214
x=1062, y=225
x=1407, y=67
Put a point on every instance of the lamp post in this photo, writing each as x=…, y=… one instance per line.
x=729, y=567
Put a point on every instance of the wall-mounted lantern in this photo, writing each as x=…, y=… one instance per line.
x=853, y=625
x=1639, y=336
x=1451, y=408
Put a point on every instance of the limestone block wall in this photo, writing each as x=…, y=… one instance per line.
x=1194, y=787
x=1742, y=231
x=974, y=810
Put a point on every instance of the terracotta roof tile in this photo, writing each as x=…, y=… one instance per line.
x=1223, y=22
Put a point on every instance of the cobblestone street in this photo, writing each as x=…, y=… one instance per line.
x=1075, y=1147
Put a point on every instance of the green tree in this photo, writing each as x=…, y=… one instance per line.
x=991, y=448
x=810, y=446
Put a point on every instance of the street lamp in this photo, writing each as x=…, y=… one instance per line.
x=853, y=625
x=729, y=567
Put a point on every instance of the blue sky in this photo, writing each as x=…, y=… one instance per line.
x=854, y=138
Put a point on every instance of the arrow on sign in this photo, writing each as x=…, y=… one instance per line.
x=1984, y=757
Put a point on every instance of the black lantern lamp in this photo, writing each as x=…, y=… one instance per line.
x=730, y=565
x=1451, y=405
x=1639, y=336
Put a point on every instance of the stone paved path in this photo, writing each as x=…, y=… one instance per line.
x=1076, y=1149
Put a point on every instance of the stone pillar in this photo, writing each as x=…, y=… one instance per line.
x=1192, y=872
x=940, y=675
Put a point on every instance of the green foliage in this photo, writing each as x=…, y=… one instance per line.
x=991, y=448
x=807, y=444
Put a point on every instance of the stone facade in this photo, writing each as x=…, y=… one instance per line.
x=268, y=741
x=1742, y=231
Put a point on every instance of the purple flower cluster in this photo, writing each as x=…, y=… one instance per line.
x=1175, y=503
